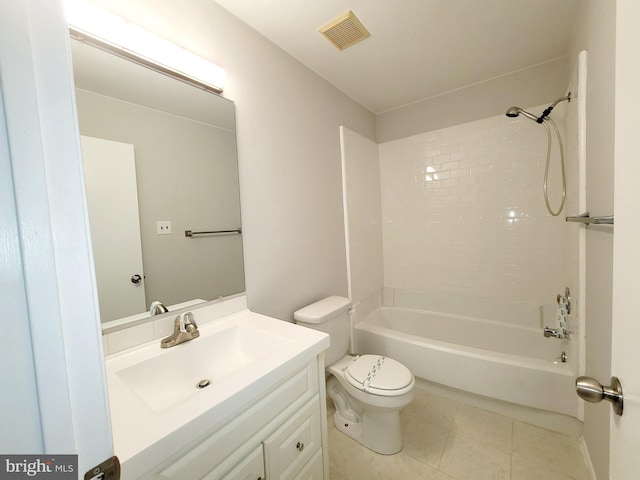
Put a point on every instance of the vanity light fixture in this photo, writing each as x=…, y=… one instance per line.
x=102, y=29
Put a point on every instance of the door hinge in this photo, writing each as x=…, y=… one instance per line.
x=107, y=470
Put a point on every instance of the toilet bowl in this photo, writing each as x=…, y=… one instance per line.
x=368, y=391
x=368, y=409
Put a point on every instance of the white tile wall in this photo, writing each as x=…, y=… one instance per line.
x=463, y=212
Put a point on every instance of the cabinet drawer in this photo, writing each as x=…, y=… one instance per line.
x=313, y=470
x=295, y=443
x=251, y=468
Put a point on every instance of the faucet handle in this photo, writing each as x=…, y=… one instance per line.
x=184, y=329
x=185, y=320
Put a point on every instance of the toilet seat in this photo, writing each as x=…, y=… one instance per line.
x=379, y=375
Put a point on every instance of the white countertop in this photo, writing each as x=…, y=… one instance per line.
x=140, y=429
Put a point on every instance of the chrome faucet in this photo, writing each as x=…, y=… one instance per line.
x=184, y=329
x=157, y=308
x=552, y=332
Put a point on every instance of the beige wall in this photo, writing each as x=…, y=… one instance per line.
x=595, y=32
x=537, y=85
x=364, y=215
x=288, y=122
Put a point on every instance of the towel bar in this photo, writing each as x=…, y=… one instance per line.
x=587, y=219
x=191, y=233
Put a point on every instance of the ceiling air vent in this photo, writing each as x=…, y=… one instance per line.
x=344, y=31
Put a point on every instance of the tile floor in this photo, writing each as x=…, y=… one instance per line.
x=448, y=440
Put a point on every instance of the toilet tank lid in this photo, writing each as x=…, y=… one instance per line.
x=323, y=309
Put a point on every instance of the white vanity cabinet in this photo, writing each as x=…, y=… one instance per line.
x=294, y=444
x=278, y=437
x=293, y=452
x=250, y=468
x=245, y=400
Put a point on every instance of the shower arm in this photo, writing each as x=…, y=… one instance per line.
x=513, y=112
x=552, y=106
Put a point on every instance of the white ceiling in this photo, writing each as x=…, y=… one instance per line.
x=418, y=48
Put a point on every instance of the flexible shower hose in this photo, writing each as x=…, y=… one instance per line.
x=546, y=170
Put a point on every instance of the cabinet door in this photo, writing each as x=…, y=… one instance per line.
x=250, y=468
x=291, y=447
x=233, y=441
x=312, y=470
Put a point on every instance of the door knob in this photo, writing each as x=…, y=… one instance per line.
x=591, y=390
x=136, y=278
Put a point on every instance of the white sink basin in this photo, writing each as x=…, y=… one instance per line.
x=166, y=380
x=153, y=394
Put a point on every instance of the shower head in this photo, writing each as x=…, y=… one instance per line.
x=513, y=112
x=516, y=111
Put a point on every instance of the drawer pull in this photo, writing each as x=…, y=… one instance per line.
x=300, y=446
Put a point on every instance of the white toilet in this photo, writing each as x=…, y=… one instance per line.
x=368, y=391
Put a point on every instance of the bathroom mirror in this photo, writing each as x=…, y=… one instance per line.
x=178, y=172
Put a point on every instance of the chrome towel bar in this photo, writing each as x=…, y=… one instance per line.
x=191, y=233
x=587, y=219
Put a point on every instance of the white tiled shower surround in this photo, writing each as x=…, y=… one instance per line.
x=463, y=212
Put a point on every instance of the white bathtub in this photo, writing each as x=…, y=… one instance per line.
x=514, y=363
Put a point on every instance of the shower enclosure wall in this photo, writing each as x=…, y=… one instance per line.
x=463, y=213
x=457, y=218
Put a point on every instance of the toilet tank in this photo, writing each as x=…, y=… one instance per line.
x=329, y=315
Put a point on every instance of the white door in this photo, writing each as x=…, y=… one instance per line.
x=112, y=196
x=46, y=250
x=625, y=361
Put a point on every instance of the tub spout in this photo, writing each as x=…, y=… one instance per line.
x=552, y=332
